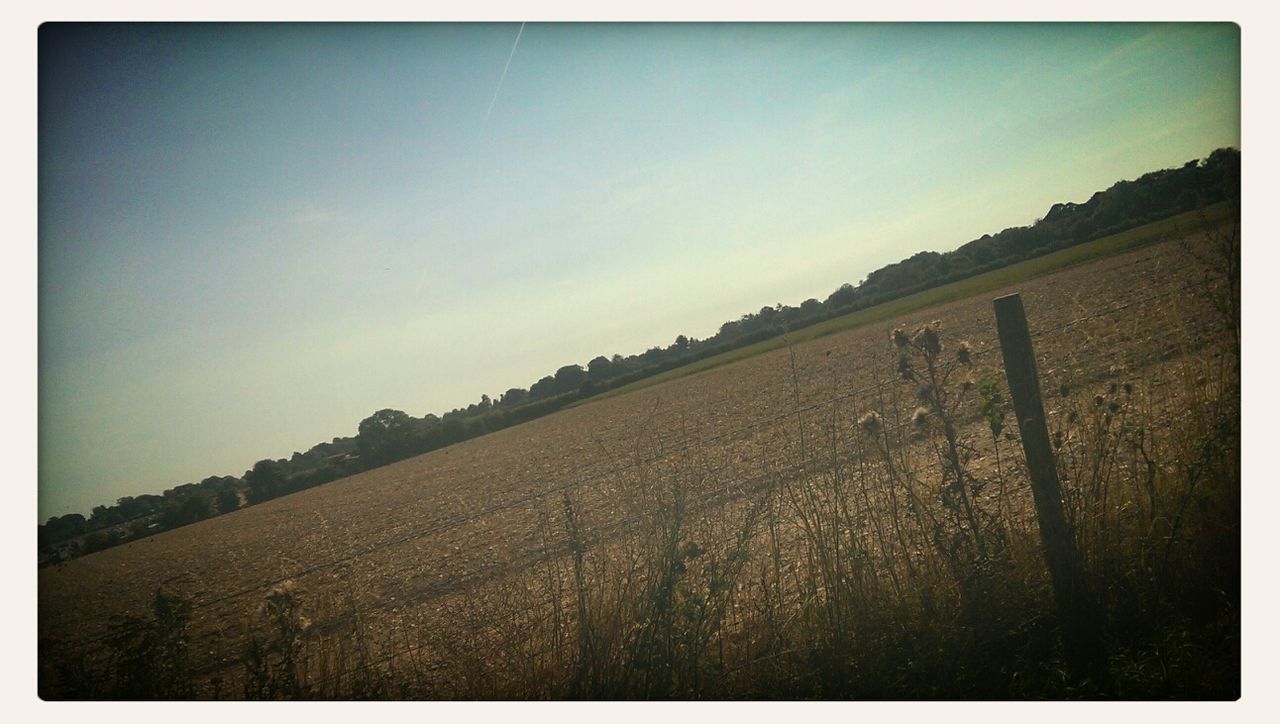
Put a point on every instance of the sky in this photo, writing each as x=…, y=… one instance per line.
x=251, y=237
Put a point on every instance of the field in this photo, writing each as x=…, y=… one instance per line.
x=748, y=531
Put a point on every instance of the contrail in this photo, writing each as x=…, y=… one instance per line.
x=504, y=73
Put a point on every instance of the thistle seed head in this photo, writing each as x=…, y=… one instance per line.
x=927, y=339
x=920, y=416
x=870, y=422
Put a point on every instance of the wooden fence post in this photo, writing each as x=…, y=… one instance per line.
x=1080, y=642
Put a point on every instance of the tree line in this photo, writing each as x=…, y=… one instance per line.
x=390, y=435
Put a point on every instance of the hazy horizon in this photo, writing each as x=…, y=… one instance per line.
x=253, y=236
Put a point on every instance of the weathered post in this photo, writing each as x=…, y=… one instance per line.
x=1080, y=642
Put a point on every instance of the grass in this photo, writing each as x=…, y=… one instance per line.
x=1021, y=271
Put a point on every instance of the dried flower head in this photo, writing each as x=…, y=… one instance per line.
x=968, y=384
x=899, y=338
x=1128, y=388
x=927, y=339
x=920, y=416
x=283, y=589
x=964, y=353
x=870, y=422
x=1098, y=400
x=904, y=367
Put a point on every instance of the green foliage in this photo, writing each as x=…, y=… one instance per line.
x=189, y=509
x=228, y=500
x=385, y=436
x=265, y=480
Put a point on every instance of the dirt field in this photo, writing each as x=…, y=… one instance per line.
x=410, y=548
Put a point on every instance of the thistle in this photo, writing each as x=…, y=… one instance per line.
x=870, y=422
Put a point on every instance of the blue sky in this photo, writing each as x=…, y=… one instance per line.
x=253, y=236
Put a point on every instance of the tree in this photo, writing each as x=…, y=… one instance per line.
x=188, y=509
x=513, y=397
x=385, y=436
x=61, y=528
x=842, y=297
x=265, y=480
x=600, y=368
x=569, y=378
x=545, y=387
x=103, y=517
x=228, y=500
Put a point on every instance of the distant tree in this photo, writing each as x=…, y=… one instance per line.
x=187, y=509
x=841, y=297
x=130, y=507
x=681, y=344
x=104, y=517
x=569, y=378
x=513, y=397
x=453, y=429
x=385, y=436
x=265, y=480
x=600, y=368
x=61, y=528
x=545, y=387
x=228, y=500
